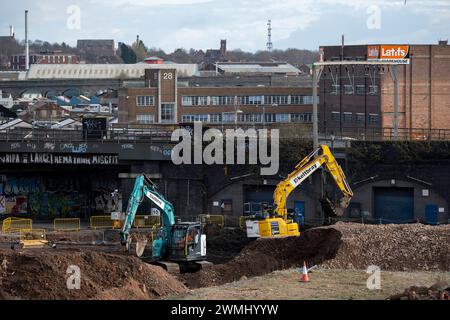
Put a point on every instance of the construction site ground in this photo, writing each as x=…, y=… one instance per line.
x=408, y=255
x=324, y=284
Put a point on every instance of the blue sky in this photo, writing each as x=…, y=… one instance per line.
x=200, y=24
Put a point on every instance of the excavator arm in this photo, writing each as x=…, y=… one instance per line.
x=144, y=187
x=306, y=168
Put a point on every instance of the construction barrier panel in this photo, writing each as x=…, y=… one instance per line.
x=104, y=222
x=147, y=221
x=66, y=224
x=212, y=219
x=16, y=224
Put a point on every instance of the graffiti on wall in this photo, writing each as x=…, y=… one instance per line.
x=53, y=196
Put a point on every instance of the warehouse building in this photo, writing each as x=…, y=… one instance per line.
x=359, y=100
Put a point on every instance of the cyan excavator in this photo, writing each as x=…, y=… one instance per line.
x=181, y=246
x=279, y=224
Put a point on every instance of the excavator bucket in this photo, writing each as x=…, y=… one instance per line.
x=330, y=209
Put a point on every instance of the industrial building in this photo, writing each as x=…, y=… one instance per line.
x=358, y=100
x=162, y=99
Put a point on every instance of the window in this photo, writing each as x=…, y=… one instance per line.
x=360, y=90
x=194, y=100
x=374, y=118
x=222, y=100
x=335, y=89
x=167, y=113
x=360, y=117
x=145, y=101
x=283, y=117
x=301, y=100
x=194, y=117
x=246, y=100
x=145, y=118
x=348, y=90
x=348, y=117
x=253, y=117
x=215, y=118
x=278, y=100
x=373, y=90
x=336, y=116
x=301, y=117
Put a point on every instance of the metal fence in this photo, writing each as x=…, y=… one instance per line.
x=147, y=221
x=103, y=222
x=14, y=224
x=66, y=224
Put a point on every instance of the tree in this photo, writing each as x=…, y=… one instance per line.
x=127, y=54
x=140, y=50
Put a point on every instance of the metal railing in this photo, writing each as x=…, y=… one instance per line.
x=387, y=134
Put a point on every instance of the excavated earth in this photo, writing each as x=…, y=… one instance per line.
x=266, y=255
x=42, y=274
x=393, y=247
x=108, y=273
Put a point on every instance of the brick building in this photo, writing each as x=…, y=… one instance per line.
x=360, y=98
x=18, y=60
x=161, y=100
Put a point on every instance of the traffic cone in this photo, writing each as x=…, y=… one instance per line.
x=304, y=277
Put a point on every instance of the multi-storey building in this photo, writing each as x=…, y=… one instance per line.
x=361, y=98
x=160, y=99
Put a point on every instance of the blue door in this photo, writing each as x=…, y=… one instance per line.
x=299, y=207
x=299, y=210
x=431, y=214
x=394, y=205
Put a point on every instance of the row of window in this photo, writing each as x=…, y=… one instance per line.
x=349, y=117
x=350, y=90
x=248, y=117
x=246, y=100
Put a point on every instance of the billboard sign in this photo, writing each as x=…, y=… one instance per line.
x=398, y=54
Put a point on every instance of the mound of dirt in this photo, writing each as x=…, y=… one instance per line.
x=438, y=291
x=225, y=244
x=405, y=247
x=42, y=274
x=266, y=255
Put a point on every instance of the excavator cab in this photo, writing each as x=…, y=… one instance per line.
x=187, y=243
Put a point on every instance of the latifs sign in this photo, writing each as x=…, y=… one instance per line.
x=389, y=54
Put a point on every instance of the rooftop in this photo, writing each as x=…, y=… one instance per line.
x=257, y=67
x=103, y=71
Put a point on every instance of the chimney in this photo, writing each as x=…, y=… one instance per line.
x=223, y=47
x=443, y=42
x=27, y=44
x=11, y=31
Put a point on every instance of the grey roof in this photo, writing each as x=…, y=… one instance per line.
x=103, y=71
x=258, y=67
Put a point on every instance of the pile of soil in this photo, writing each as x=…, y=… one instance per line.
x=266, y=255
x=41, y=274
x=438, y=291
x=406, y=247
x=225, y=244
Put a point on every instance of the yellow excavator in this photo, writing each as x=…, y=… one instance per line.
x=278, y=224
